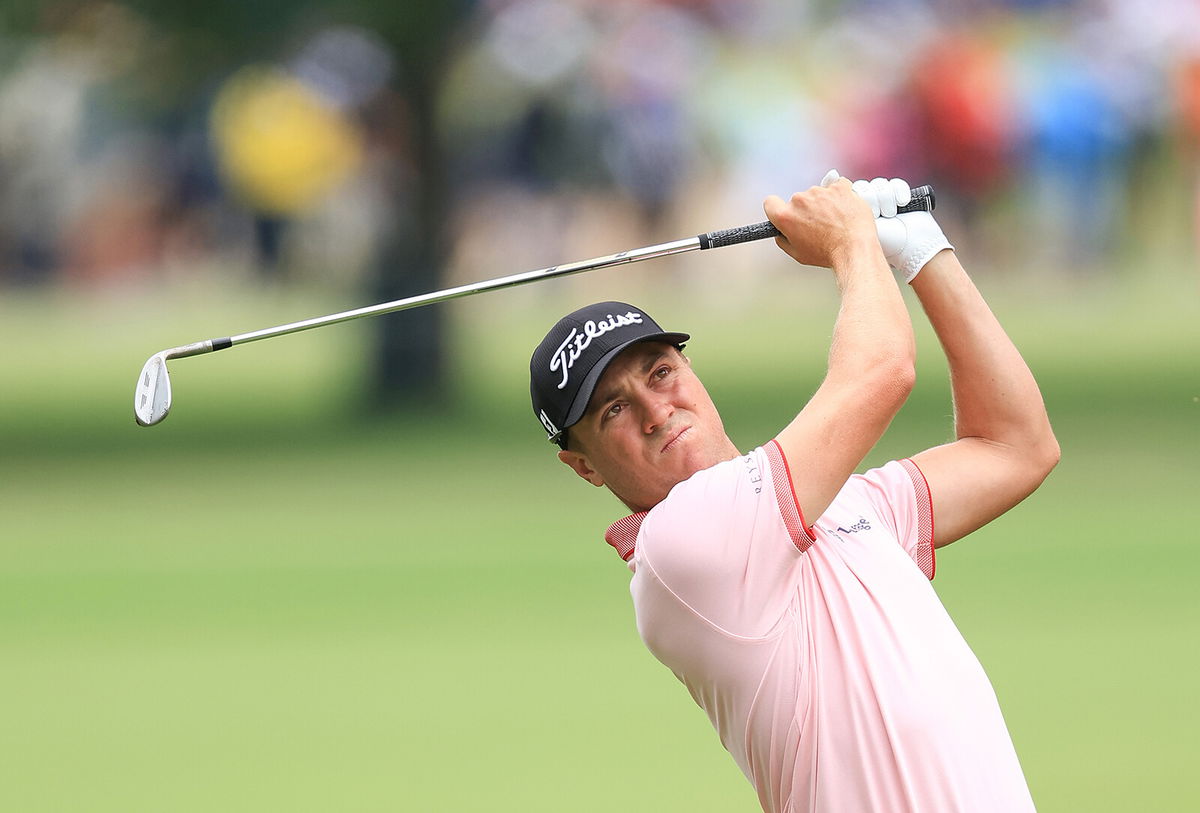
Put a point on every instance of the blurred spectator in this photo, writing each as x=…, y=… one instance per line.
x=287, y=137
x=963, y=102
x=1187, y=95
x=645, y=72
x=1076, y=142
x=48, y=121
x=869, y=60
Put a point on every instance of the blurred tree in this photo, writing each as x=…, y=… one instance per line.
x=408, y=359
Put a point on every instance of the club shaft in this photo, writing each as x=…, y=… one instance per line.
x=636, y=255
x=923, y=199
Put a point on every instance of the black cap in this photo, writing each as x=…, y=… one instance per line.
x=568, y=363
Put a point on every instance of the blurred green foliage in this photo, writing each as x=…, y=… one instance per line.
x=279, y=601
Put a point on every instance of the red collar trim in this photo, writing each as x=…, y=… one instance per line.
x=622, y=534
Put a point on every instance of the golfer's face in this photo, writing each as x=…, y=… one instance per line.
x=650, y=424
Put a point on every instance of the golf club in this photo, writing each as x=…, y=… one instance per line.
x=152, y=398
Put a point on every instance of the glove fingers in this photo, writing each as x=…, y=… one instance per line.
x=886, y=197
x=901, y=191
x=830, y=176
x=867, y=192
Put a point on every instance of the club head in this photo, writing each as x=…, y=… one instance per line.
x=152, y=399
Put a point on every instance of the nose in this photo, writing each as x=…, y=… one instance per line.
x=656, y=412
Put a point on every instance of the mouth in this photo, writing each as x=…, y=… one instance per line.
x=675, y=438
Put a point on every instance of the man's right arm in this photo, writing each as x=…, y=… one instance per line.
x=871, y=358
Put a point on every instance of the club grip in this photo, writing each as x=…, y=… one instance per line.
x=741, y=234
x=923, y=200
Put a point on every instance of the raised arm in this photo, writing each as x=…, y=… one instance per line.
x=871, y=358
x=1005, y=447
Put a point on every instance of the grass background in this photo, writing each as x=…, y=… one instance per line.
x=279, y=601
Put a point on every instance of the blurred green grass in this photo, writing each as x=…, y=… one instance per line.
x=279, y=599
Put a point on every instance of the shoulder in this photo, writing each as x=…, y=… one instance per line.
x=722, y=529
x=699, y=507
x=706, y=504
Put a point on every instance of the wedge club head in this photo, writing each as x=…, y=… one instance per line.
x=152, y=399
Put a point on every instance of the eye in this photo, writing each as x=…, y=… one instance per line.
x=662, y=372
x=614, y=410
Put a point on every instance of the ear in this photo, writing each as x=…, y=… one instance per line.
x=579, y=463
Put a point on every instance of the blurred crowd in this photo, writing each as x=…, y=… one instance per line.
x=1054, y=131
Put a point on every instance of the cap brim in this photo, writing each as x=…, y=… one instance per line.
x=584, y=395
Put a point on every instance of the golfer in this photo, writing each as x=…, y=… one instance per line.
x=789, y=594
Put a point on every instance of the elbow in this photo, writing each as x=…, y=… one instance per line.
x=1043, y=455
x=904, y=368
x=906, y=373
x=1051, y=452
x=886, y=385
x=897, y=377
x=880, y=384
x=1028, y=455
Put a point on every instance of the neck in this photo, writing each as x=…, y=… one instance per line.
x=727, y=452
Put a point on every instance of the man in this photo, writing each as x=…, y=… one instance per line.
x=789, y=594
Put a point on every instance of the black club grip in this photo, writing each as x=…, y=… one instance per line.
x=741, y=234
x=923, y=200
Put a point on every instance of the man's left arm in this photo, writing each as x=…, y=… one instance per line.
x=1005, y=447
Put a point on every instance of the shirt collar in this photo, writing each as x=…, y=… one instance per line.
x=622, y=534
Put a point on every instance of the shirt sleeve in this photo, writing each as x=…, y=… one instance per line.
x=901, y=499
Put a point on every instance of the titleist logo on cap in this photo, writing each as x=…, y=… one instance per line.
x=576, y=342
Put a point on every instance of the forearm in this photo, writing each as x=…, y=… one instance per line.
x=996, y=398
x=873, y=333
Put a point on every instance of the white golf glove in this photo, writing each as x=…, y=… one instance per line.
x=909, y=240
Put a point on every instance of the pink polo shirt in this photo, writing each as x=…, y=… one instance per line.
x=822, y=655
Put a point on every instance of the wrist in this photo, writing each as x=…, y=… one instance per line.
x=916, y=266
x=940, y=267
x=857, y=254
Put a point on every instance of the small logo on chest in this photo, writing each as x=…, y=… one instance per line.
x=861, y=525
